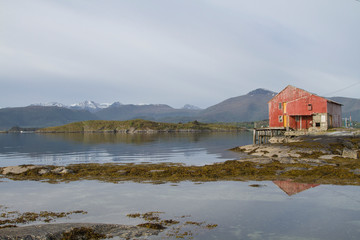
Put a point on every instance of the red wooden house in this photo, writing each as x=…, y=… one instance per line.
x=295, y=108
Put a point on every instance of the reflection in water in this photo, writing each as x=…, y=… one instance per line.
x=138, y=139
x=240, y=211
x=291, y=188
x=63, y=149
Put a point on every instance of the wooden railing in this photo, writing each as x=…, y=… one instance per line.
x=262, y=135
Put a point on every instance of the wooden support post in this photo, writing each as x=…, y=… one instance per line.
x=254, y=136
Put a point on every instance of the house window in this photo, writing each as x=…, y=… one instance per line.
x=309, y=107
x=297, y=118
x=317, y=124
x=280, y=105
x=280, y=118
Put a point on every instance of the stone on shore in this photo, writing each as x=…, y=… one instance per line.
x=42, y=170
x=17, y=169
x=350, y=153
x=61, y=170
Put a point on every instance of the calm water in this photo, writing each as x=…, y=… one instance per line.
x=276, y=210
x=63, y=149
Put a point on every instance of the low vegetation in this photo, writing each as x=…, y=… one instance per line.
x=137, y=125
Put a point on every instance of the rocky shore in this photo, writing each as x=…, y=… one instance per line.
x=306, y=149
x=75, y=231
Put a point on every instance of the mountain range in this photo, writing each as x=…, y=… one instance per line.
x=246, y=108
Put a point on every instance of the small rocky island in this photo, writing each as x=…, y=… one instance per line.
x=138, y=126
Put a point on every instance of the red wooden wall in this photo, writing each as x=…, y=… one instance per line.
x=296, y=102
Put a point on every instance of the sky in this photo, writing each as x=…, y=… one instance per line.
x=175, y=52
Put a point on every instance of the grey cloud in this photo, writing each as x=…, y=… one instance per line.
x=175, y=52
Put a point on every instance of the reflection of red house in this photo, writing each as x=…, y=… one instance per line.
x=298, y=109
x=291, y=188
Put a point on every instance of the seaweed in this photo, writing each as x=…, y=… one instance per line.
x=82, y=233
x=14, y=218
x=181, y=228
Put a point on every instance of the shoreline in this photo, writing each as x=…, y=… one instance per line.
x=321, y=159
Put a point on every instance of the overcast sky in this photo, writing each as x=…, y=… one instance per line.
x=175, y=51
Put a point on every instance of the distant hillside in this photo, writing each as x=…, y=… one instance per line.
x=40, y=116
x=137, y=125
x=351, y=107
x=250, y=107
x=148, y=112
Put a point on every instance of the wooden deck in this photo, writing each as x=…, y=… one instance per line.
x=262, y=135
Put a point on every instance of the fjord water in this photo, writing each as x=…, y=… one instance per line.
x=272, y=210
x=63, y=149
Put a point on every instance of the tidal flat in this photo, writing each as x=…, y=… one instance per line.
x=342, y=173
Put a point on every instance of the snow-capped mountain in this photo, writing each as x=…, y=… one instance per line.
x=89, y=105
x=116, y=104
x=49, y=104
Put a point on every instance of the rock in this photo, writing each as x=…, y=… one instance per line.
x=43, y=171
x=277, y=140
x=287, y=160
x=122, y=172
x=329, y=157
x=284, y=139
x=348, y=144
x=338, y=151
x=61, y=170
x=349, y=153
x=355, y=171
x=295, y=169
x=17, y=169
x=156, y=171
